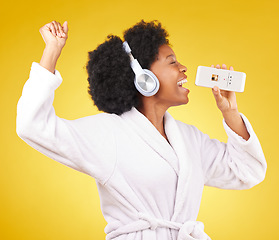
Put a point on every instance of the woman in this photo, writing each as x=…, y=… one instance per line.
x=150, y=169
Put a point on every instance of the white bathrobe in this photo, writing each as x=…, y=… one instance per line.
x=149, y=188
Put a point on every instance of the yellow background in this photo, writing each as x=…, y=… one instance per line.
x=43, y=200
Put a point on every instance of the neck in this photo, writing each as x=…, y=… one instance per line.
x=155, y=114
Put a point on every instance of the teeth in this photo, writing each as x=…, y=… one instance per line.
x=181, y=82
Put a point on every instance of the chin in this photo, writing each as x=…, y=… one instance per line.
x=182, y=102
x=185, y=100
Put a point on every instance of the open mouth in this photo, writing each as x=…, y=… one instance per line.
x=182, y=82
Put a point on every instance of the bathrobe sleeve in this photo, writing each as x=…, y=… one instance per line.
x=237, y=164
x=85, y=144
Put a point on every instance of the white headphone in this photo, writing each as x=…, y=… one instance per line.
x=145, y=81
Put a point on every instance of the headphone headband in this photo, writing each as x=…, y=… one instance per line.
x=127, y=47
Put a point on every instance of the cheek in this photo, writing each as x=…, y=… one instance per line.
x=166, y=77
x=168, y=83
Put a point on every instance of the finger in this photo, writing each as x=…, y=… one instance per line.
x=65, y=28
x=231, y=68
x=212, y=66
x=51, y=28
x=55, y=25
x=224, y=66
x=60, y=30
x=218, y=66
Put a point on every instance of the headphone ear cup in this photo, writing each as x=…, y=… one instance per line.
x=147, y=83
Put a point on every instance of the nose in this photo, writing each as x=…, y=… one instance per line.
x=182, y=68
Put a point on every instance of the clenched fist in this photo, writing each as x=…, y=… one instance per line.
x=54, y=34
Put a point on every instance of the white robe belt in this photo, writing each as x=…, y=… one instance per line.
x=190, y=230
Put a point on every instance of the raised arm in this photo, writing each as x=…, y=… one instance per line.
x=240, y=163
x=79, y=144
x=55, y=37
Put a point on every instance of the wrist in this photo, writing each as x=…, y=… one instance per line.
x=232, y=118
x=235, y=122
x=230, y=112
x=52, y=50
x=50, y=57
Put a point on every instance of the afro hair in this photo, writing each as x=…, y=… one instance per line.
x=110, y=77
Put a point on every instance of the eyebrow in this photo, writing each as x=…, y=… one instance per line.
x=171, y=55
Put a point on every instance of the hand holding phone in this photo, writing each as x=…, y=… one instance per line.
x=224, y=79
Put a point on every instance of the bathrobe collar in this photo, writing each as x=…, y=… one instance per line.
x=152, y=137
x=174, y=152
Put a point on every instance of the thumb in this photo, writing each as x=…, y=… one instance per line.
x=217, y=94
x=65, y=27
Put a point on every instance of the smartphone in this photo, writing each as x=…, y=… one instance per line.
x=224, y=79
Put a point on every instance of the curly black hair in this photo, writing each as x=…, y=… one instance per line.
x=110, y=77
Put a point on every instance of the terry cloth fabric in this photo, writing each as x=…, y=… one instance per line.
x=149, y=188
